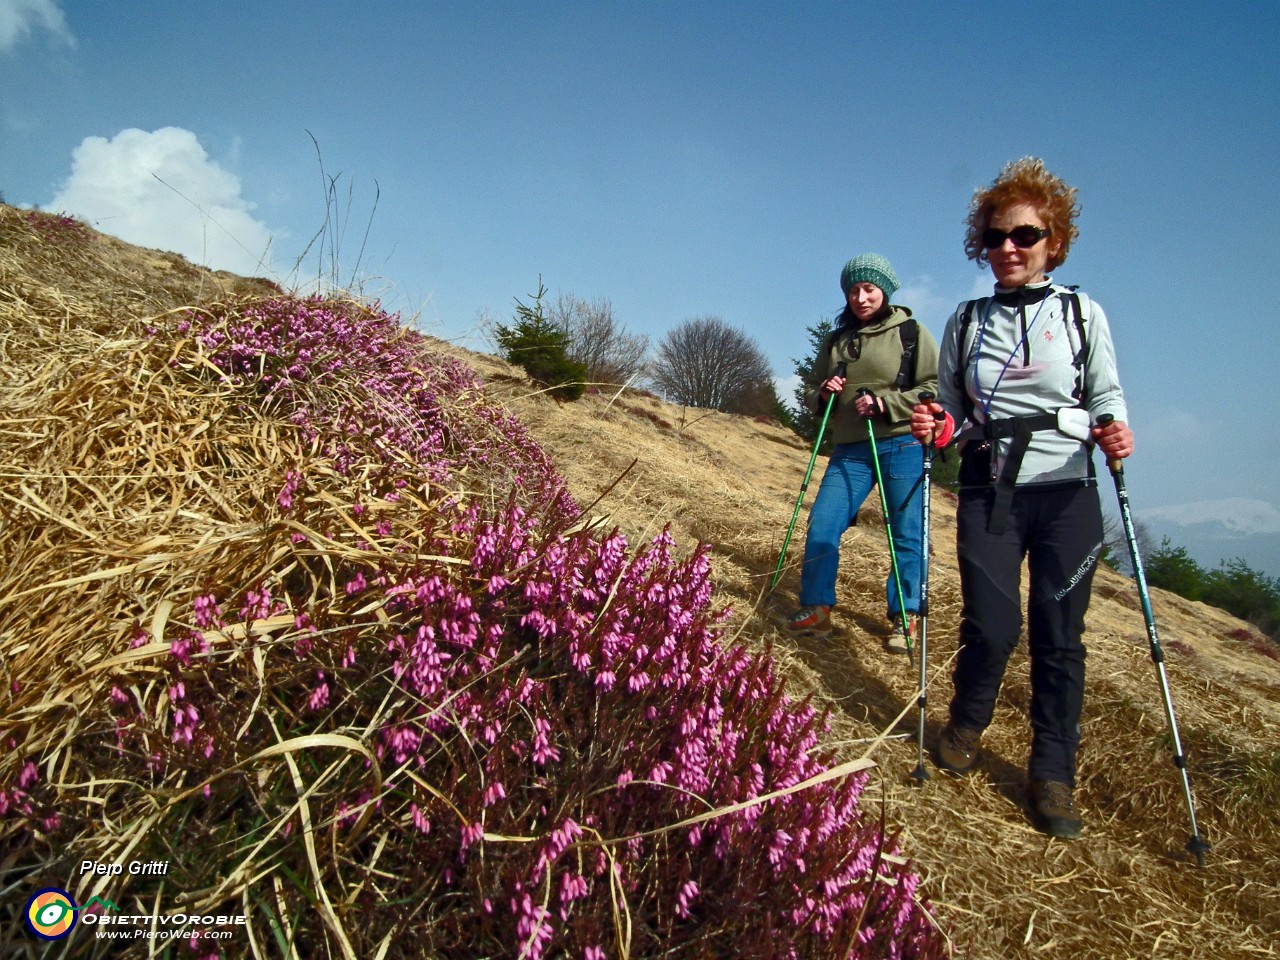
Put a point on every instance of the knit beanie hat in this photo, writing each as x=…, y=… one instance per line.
x=869, y=268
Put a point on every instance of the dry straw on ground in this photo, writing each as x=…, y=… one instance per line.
x=110, y=530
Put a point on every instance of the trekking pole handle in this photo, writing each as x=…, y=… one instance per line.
x=838, y=372
x=928, y=398
x=1115, y=466
x=864, y=392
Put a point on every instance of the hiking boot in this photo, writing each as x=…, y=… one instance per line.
x=1055, y=809
x=957, y=749
x=896, y=642
x=814, y=620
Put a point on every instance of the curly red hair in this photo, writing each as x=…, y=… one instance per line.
x=1026, y=181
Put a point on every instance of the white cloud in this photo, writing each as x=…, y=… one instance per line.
x=786, y=388
x=161, y=190
x=20, y=18
x=926, y=303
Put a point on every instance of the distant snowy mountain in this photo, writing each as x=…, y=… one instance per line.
x=1217, y=530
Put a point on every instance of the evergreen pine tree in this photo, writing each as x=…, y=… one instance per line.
x=805, y=422
x=537, y=344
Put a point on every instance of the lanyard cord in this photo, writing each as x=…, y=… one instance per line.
x=977, y=354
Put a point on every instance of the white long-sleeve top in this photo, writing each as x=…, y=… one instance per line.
x=1017, y=361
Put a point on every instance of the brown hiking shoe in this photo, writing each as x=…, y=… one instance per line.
x=957, y=749
x=1055, y=808
x=813, y=620
x=896, y=642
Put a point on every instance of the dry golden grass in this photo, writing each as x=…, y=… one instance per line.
x=1128, y=888
x=101, y=529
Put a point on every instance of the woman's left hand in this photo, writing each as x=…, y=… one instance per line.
x=868, y=405
x=1115, y=439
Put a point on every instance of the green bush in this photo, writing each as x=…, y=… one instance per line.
x=1171, y=568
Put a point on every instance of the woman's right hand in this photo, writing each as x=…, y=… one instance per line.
x=832, y=386
x=925, y=425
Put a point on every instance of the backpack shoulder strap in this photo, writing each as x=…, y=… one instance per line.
x=963, y=348
x=909, y=332
x=1071, y=307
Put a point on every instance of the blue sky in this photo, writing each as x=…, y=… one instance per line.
x=685, y=159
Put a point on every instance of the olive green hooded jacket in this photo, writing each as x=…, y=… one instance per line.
x=873, y=355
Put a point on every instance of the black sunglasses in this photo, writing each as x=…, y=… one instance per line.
x=1024, y=236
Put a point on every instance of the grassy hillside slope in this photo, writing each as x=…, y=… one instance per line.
x=1127, y=889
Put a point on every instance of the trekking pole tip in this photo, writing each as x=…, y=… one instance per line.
x=1198, y=847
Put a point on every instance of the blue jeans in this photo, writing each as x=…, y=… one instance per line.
x=849, y=478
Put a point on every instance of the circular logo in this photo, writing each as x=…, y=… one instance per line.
x=51, y=913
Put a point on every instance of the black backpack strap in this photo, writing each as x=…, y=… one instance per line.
x=962, y=354
x=909, y=331
x=1071, y=306
x=1018, y=431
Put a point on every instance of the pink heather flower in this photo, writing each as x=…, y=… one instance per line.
x=28, y=776
x=139, y=637
x=319, y=698
x=573, y=886
x=185, y=719
x=684, y=899
x=543, y=752
x=257, y=604
x=285, y=497
x=119, y=696
x=471, y=834
x=180, y=650
x=420, y=820
x=206, y=611
x=593, y=953
x=356, y=584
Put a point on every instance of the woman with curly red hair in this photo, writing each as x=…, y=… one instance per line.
x=1023, y=376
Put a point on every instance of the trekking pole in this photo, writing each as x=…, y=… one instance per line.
x=888, y=527
x=1195, y=845
x=920, y=774
x=822, y=427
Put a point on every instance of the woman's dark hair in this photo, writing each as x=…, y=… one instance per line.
x=847, y=320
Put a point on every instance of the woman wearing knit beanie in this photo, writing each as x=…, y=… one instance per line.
x=869, y=339
x=1025, y=372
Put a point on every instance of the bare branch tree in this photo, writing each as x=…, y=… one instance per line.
x=1115, y=542
x=704, y=362
x=596, y=339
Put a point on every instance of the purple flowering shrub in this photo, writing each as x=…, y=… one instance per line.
x=361, y=387
x=441, y=718
x=57, y=228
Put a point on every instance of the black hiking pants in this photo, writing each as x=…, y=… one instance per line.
x=1058, y=531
